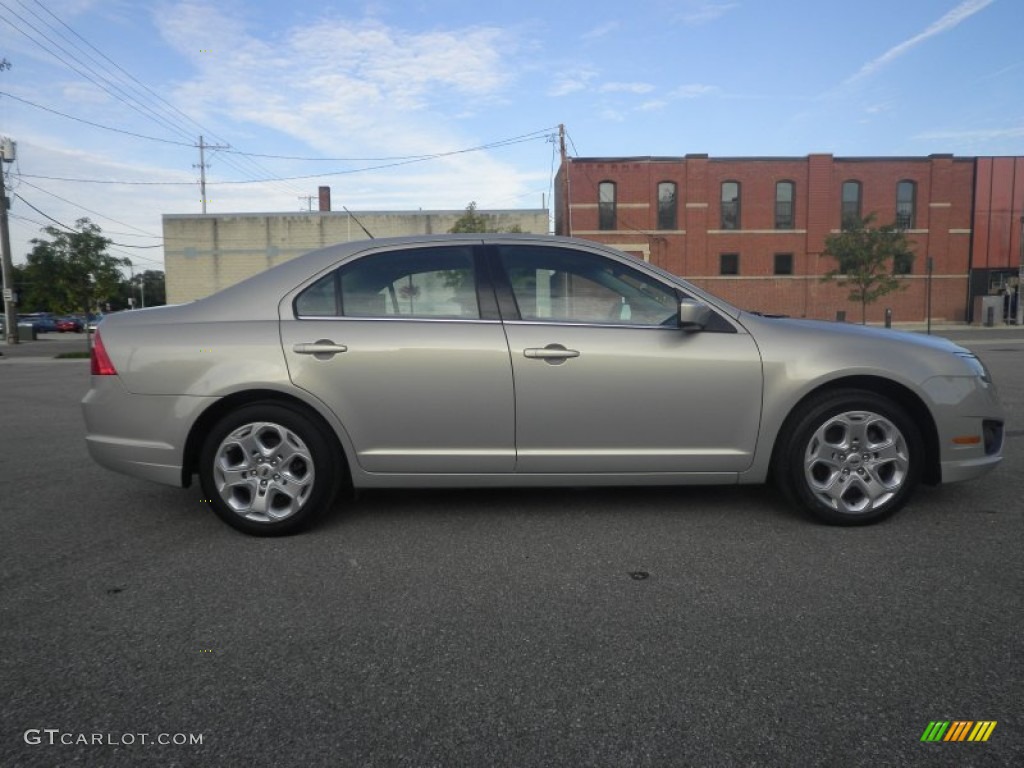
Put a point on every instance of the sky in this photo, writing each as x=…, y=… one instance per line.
x=431, y=104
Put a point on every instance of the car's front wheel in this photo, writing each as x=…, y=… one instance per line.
x=268, y=469
x=850, y=457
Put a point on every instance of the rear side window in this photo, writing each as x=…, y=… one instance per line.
x=320, y=299
x=434, y=282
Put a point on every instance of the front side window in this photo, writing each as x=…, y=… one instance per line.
x=784, y=199
x=569, y=286
x=850, y=211
x=667, y=208
x=606, y=205
x=730, y=205
x=416, y=283
x=906, y=199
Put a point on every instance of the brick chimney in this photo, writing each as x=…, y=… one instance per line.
x=325, y=198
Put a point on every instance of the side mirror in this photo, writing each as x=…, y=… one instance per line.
x=693, y=315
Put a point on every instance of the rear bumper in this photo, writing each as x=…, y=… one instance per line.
x=145, y=460
x=139, y=435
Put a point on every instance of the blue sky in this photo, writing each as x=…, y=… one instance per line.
x=358, y=90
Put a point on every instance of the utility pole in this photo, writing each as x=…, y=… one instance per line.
x=10, y=314
x=1020, y=278
x=202, y=166
x=131, y=285
x=309, y=201
x=566, y=208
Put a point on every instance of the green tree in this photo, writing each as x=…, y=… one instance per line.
x=869, y=260
x=471, y=221
x=71, y=271
x=152, y=283
x=145, y=286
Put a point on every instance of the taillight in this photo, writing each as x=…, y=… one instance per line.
x=100, y=364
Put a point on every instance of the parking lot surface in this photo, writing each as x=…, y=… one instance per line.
x=623, y=627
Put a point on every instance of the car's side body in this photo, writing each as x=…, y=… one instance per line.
x=502, y=398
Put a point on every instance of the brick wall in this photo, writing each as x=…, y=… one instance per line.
x=942, y=227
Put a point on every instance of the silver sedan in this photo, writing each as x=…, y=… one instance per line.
x=513, y=360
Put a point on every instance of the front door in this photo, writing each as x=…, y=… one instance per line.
x=605, y=381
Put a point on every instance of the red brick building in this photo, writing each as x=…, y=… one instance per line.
x=752, y=230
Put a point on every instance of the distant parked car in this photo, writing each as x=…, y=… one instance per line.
x=43, y=322
x=69, y=325
x=515, y=360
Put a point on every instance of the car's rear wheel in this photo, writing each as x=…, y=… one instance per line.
x=850, y=457
x=268, y=469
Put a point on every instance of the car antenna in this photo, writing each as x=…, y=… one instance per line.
x=358, y=222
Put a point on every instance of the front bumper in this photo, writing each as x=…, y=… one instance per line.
x=969, y=422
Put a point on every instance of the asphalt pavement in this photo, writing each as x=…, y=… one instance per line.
x=613, y=627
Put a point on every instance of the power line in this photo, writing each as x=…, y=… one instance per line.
x=96, y=125
x=88, y=210
x=96, y=78
x=346, y=172
x=132, y=100
x=545, y=133
x=72, y=229
x=116, y=85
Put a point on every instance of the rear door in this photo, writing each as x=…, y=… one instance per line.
x=406, y=347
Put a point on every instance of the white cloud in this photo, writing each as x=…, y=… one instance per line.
x=694, y=91
x=961, y=13
x=571, y=82
x=83, y=93
x=704, y=13
x=346, y=88
x=979, y=135
x=626, y=88
x=602, y=31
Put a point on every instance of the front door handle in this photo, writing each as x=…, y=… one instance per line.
x=323, y=349
x=552, y=353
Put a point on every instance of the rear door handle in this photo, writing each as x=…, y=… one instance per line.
x=552, y=353
x=323, y=349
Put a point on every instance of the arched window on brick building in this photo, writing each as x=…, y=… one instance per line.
x=785, y=204
x=730, y=205
x=668, y=208
x=606, y=205
x=851, y=205
x=906, y=202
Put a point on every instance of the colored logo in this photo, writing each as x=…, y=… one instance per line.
x=958, y=730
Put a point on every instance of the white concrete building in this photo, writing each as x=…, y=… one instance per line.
x=205, y=253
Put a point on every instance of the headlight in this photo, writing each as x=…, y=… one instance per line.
x=978, y=367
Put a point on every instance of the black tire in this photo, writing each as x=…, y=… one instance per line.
x=268, y=469
x=849, y=457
